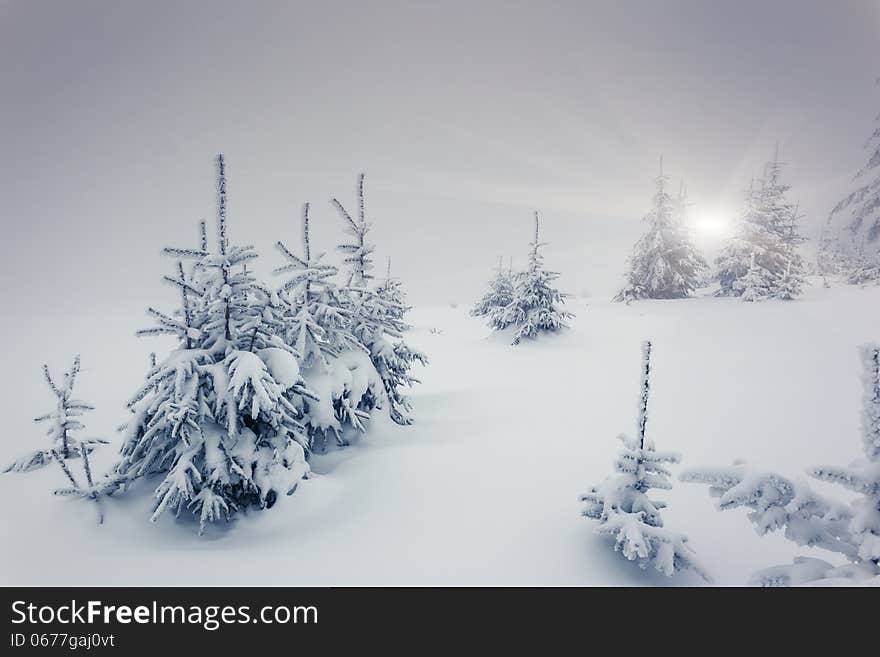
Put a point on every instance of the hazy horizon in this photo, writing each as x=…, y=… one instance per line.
x=465, y=118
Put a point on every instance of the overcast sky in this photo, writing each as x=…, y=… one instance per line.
x=464, y=116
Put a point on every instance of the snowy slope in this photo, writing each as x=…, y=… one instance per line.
x=483, y=488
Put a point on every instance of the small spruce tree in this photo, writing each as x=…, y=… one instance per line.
x=665, y=264
x=762, y=260
x=63, y=422
x=218, y=420
x=499, y=294
x=535, y=306
x=623, y=508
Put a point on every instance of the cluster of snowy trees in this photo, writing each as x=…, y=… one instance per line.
x=261, y=374
x=526, y=300
x=760, y=261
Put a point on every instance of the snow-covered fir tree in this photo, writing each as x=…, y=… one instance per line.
x=762, y=260
x=851, y=238
x=62, y=422
x=807, y=518
x=217, y=421
x=377, y=317
x=623, y=508
x=535, y=306
x=335, y=364
x=664, y=264
x=499, y=294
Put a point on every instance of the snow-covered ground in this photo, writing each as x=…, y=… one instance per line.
x=483, y=489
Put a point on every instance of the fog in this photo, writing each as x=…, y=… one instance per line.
x=465, y=118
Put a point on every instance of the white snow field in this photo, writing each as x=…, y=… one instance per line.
x=483, y=488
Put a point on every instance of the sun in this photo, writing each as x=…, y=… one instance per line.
x=711, y=225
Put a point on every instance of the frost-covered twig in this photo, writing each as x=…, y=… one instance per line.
x=91, y=491
x=63, y=422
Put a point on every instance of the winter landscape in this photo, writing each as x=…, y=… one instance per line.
x=233, y=360
x=484, y=487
